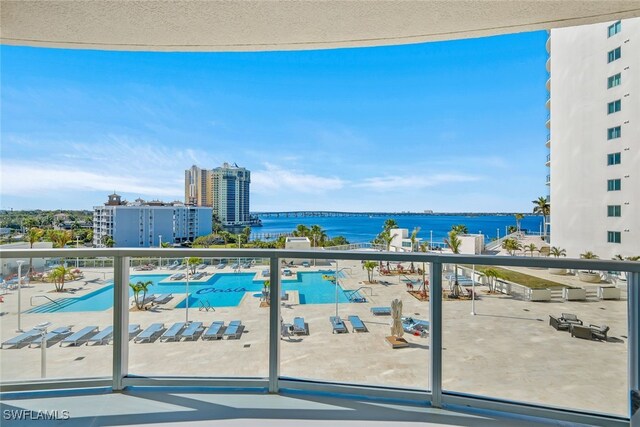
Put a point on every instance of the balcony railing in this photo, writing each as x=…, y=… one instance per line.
x=499, y=338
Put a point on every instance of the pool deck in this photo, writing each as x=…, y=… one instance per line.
x=508, y=350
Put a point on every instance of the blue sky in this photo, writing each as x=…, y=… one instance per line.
x=447, y=126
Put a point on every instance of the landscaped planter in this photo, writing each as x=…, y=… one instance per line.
x=574, y=294
x=539, y=294
x=608, y=292
x=558, y=271
x=589, y=276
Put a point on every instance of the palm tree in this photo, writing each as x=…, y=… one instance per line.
x=454, y=244
x=301, y=231
x=557, y=252
x=414, y=233
x=386, y=237
x=192, y=263
x=58, y=275
x=318, y=234
x=519, y=218
x=542, y=207
x=423, y=248
x=460, y=229
x=511, y=246
x=34, y=234
x=137, y=288
x=589, y=255
x=492, y=275
x=389, y=224
x=108, y=241
x=369, y=266
x=531, y=247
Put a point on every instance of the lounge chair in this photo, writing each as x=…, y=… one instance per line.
x=357, y=324
x=599, y=331
x=102, y=337
x=265, y=273
x=415, y=326
x=150, y=333
x=54, y=335
x=24, y=338
x=80, y=337
x=191, y=331
x=381, y=311
x=214, y=331
x=162, y=298
x=201, y=266
x=305, y=263
x=234, y=330
x=299, y=326
x=221, y=266
x=338, y=325
x=580, y=331
x=564, y=322
x=173, y=333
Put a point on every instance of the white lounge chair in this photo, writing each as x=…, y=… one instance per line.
x=173, y=333
x=54, y=335
x=215, y=331
x=191, y=331
x=150, y=333
x=80, y=337
x=21, y=339
x=234, y=330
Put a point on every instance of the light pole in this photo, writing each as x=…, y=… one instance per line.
x=160, y=246
x=77, y=245
x=20, y=262
x=498, y=233
x=42, y=327
x=473, y=291
x=187, y=291
x=338, y=270
x=431, y=240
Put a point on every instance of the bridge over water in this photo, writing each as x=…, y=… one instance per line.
x=297, y=214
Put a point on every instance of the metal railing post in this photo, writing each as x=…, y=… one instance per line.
x=120, y=320
x=274, y=324
x=633, y=313
x=435, y=333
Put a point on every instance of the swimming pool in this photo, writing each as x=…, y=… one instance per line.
x=220, y=290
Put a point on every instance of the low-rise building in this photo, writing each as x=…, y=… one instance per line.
x=401, y=241
x=146, y=224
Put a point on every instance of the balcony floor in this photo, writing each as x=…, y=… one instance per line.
x=173, y=408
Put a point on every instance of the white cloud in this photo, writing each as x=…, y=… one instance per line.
x=115, y=163
x=407, y=182
x=275, y=179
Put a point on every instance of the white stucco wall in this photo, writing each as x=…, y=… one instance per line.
x=579, y=145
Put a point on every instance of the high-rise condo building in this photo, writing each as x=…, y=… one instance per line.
x=231, y=195
x=147, y=224
x=198, y=187
x=594, y=139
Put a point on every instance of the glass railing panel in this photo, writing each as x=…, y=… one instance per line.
x=359, y=347
x=207, y=316
x=551, y=337
x=67, y=303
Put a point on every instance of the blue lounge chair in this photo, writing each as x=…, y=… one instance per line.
x=24, y=338
x=80, y=337
x=305, y=263
x=102, y=337
x=234, y=330
x=150, y=333
x=299, y=327
x=173, y=333
x=214, y=331
x=381, y=311
x=357, y=324
x=54, y=335
x=191, y=331
x=338, y=325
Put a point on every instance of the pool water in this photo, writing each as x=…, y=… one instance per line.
x=220, y=290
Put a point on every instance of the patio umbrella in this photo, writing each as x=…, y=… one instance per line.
x=396, y=314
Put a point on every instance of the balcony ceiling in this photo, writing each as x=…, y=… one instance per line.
x=284, y=25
